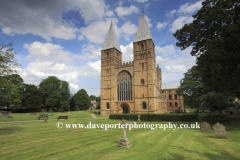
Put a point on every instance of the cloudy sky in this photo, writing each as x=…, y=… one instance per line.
x=64, y=38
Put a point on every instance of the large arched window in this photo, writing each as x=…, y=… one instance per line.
x=170, y=104
x=124, y=85
x=175, y=104
x=144, y=105
x=108, y=105
x=170, y=96
x=142, y=47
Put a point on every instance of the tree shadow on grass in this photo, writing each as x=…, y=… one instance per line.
x=196, y=155
x=9, y=130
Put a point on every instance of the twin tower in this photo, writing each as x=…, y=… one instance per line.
x=131, y=87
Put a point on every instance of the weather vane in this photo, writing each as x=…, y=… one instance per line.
x=142, y=9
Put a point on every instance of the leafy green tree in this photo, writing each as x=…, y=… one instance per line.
x=55, y=93
x=197, y=96
x=214, y=35
x=192, y=88
x=65, y=94
x=73, y=104
x=92, y=97
x=98, y=102
x=7, y=63
x=31, y=96
x=82, y=100
x=10, y=90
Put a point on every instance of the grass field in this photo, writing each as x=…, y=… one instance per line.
x=27, y=116
x=38, y=140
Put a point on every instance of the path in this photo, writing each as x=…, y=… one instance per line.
x=93, y=116
x=187, y=111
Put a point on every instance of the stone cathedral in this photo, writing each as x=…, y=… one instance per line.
x=131, y=87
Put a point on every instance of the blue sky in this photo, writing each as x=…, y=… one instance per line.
x=64, y=38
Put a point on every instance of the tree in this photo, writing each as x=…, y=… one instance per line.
x=55, y=93
x=192, y=88
x=82, y=100
x=7, y=63
x=214, y=35
x=10, y=93
x=65, y=94
x=92, y=97
x=198, y=96
x=31, y=96
x=98, y=99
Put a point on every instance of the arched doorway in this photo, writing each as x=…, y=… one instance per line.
x=125, y=109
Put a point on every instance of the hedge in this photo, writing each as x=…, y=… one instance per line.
x=156, y=117
x=220, y=118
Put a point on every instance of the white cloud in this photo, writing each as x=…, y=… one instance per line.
x=166, y=51
x=125, y=11
x=128, y=29
x=80, y=37
x=95, y=65
x=97, y=30
x=189, y=9
x=171, y=13
x=161, y=25
x=49, y=59
x=174, y=62
x=44, y=18
x=179, y=22
x=127, y=52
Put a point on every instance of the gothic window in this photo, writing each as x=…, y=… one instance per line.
x=142, y=47
x=144, y=105
x=170, y=96
x=142, y=81
x=175, y=96
x=124, y=81
x=142, y=65
x=107, y=54
x=175, y=104
x=107, y=105
x=170, y=104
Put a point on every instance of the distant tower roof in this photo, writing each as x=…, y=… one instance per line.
x=143, y=31
x=111, y=40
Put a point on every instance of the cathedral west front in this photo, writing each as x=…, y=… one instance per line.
x=132, y=87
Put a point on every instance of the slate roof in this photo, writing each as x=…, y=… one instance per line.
x=143, y=31
x=111, y=40
x=170, y=85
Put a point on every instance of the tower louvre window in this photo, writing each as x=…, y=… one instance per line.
x=142, y=65
x=142, y=81
x=107, y=54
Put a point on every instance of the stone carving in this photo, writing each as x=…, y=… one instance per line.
x=205, y=127
x=139, y=120
x=124, y=142
x=220, y=130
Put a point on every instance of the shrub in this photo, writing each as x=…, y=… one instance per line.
x=156, y=117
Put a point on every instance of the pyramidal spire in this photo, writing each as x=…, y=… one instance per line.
x=111, y=40
x=143, y=31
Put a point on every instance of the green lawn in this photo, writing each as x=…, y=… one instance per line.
x=27, y=116
x=38, y=140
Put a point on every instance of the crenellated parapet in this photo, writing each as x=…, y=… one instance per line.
x=127, y=64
